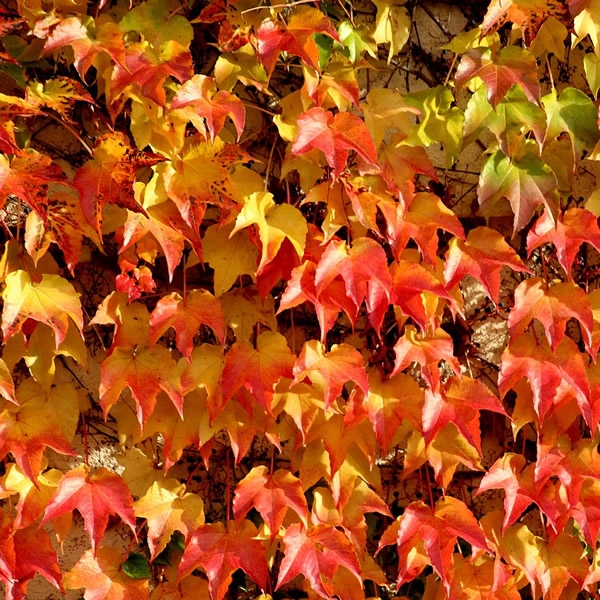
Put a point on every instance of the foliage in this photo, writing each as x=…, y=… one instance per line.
x=264, y=269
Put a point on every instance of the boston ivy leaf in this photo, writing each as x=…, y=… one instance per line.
x=104, y=578
x=155, y=21
x=483, y=255
x=528, y=15
x=200, y=93
x=525, y=181
x=219, y=552
x=271, y=495
x=427, y=535
x=167, y=508
x=258, y=370
x=295, y=37
x=186, y=315
x=52, y=301
x=572, y=113
x=393, y=25
x=356, y=40
x=146, y=371
x=201, y=175
x=500, y=70
x=552, y=306
x=317, y=553
x=27, y=175
x=95, y=496
x=329, y=371
x=335, y=136
x=275, y=222
x=44, y=418
x=72, y=33
x=136, y=566
x=572, y=228
x=109, y=177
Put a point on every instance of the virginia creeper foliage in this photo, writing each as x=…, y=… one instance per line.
x=331, y=299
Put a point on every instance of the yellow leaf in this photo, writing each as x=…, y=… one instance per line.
x=275, y=222
x=392, y=25
x=243, y=310
x=229, y=255
x=168, y=508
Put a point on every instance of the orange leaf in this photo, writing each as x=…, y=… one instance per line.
x=271, y=496
x=220, y=552
x=103, y=578
x=95, y=497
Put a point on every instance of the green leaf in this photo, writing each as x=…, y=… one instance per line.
x=573, y=113
x=136, y=566
x=356, y=41
x=526, y=182
x=154, y=21
x=440, y=123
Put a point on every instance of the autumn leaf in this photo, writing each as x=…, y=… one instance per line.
x=200, y=93
x=27, y=175
x=219, y=552
x=424, y=531
x=528, y=15
x=44, y=418
x=294, y=37
x=500, y=70
x=317, y=554
x=572, y=228
x=330, y=371
x=459, y=402
x=275, y=222
x=102, y=576
x=109, y=177
x=363, y=268
x=511, y=474
x=146, y=371
x=186, y=315
x=531, y=357
x=427, y=351
x=525, y=181
x=258, y=370
x=52, y=300
x=58, y=94
x=483, y=255
x=72, y=33
x=168, y=508
x=201, y=176
x=335, y=136
x=271, y=495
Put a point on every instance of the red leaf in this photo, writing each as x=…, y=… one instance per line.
x=500, y=70
x=363, y=267
x=527, y=15
x=27, y=175
x=95, y=497
x=458, y=401
x=511, y=474
x=201, y=93
x=186, y=315
x=530, y=357
x=317, y=554
x=295, y=37
x=220, y=552
x=427, y=351
x=552, y=306
x=271, y=496
x=109, y=177
x=330, y=371
x=572, y=228
x=433, y=530
x=258, y=370
x=482, y=256
x=335, y=136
